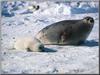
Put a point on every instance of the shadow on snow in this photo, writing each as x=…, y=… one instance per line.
x=90, y=43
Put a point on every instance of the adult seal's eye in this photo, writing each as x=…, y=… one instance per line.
x=87, y=19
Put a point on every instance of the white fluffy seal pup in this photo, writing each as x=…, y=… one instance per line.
x=29, y=44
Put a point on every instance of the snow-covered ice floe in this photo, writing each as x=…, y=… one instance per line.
x=17, y=21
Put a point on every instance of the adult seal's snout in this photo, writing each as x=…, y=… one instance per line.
x=67, y=32
x=91, y=20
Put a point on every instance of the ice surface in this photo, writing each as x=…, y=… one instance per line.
x=56, y=59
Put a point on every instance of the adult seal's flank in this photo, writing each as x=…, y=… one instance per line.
x=67, y=32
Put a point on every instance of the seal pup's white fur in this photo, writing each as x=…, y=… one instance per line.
x=28, y=43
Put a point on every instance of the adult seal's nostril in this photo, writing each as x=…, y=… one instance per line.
x=91, y=21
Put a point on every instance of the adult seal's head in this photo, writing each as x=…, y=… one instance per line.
x=88, y=20
x=66, y=32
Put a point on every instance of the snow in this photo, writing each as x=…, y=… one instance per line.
x=56, y=59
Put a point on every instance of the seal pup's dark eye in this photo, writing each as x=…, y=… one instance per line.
x=41, y=48
x=37, y=7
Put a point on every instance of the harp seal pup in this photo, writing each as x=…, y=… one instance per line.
x=28, y=44
x=66, y=32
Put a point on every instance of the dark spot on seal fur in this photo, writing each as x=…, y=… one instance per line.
x=66, y=34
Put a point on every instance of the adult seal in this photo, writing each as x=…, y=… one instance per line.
x=66, y=32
